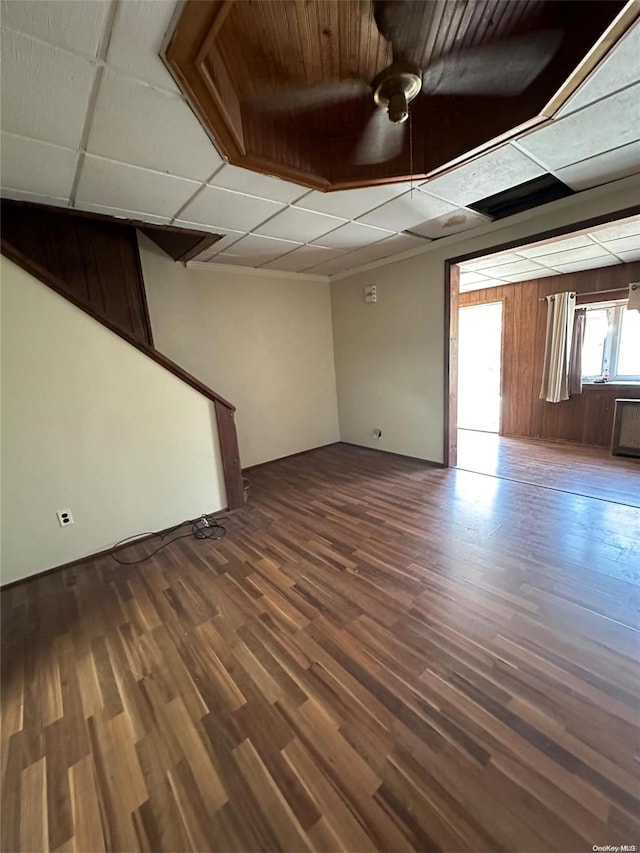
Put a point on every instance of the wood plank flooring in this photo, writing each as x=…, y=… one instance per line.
x=380, y=655
x=589, y=471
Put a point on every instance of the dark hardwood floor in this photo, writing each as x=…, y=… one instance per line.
x=380, y=655
x=576, y=468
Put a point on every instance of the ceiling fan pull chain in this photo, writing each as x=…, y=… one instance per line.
x=411, y=154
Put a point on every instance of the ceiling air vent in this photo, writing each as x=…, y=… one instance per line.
x=523, y=197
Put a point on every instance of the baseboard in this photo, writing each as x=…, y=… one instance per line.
x=290, y=456
x=428, y=462
x=99, y=554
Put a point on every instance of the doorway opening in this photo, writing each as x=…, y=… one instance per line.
x=504, y=418
x=479, y=367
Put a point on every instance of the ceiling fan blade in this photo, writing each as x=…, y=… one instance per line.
x=381, y=139
x=390, y=18
x=300, y=98
x=396, y=21
x=504, y=68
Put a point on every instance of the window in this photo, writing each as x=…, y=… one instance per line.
x=611, y=347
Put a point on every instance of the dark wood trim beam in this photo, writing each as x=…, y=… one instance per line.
x=451, y=305
x=228, y=438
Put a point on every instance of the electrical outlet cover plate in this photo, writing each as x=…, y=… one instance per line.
x=64, y=517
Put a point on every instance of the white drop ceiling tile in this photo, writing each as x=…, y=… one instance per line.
x=628, y=257
x=227, y=209
x=468, y=277
x=487, y=175
x=619, y=69
x=555, y=246
x=138, y=33
x=542, y=272
x=350, y=204
x=36, y=167
x=300, y=225
x=395, y=245
x=523, y=265
x=602, y=169
x=481, y=285
x=584, y=253
x=129, y=188
x=617, y=230
x=603, y=126
x=407, y=211
x=252, y=183
x=137, y=124
x=45, y=91
x=353, y=236
x=578, y=266
x=338, y=265
x=76, y=26
x=259, y=250
x=451, y=223
x=303, y=258
x=490, y=261
x=624, y=244
x=489, y=282
x=403, y=243
x=123, y=214
x=235, y=260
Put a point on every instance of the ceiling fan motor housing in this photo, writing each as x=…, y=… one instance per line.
x=395, y=87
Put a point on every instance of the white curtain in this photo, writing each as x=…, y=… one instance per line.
x=557, y=349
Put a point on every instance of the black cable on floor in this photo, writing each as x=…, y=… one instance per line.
x=205, y=527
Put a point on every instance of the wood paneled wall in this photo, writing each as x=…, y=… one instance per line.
x=96, y=261
x=585, y=419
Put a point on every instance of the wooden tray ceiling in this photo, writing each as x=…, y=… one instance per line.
x=235, y=60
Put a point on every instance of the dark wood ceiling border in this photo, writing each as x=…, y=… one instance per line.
x=216, y=78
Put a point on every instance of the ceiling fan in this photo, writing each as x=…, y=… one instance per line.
x=472, y=71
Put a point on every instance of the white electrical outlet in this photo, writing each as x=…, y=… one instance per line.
x=64, y=517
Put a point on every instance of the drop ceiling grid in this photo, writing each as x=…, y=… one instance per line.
x=118, y=43
x=604, y=246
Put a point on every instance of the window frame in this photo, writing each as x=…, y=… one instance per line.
x=611, y=349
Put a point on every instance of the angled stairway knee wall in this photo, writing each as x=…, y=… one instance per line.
x=92, y=425
x=263, y=341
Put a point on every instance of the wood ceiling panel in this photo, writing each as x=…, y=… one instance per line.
x=268, y=47
x=429, y=30
x=285, y=85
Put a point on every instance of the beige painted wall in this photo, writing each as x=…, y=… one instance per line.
x=262, y=342
x=389, y=355
x=91, y=424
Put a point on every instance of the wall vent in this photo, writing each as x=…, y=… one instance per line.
x=533, y=193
